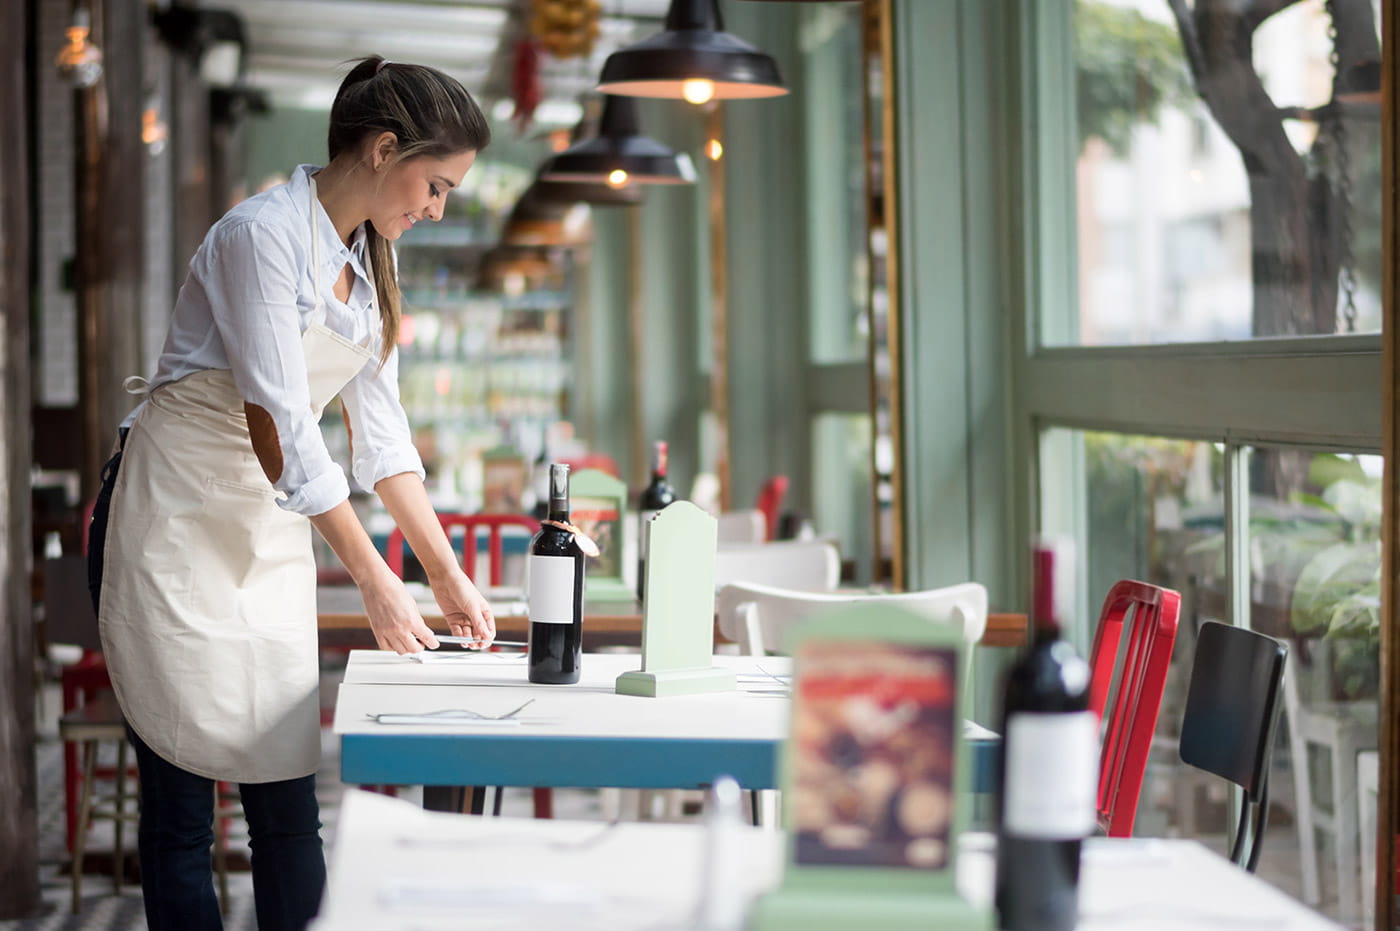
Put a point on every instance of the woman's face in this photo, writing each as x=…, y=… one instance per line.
x=414, y=190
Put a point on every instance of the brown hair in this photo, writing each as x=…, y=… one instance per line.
x=430, y=113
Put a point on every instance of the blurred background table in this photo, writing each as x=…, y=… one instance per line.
x=341, y=619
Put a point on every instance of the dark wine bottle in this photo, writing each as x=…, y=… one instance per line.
x=655, y=496
x=556, y=590
x=1049, y=764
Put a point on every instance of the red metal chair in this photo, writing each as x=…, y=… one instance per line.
x=471, y=523
x=1136, y=691
x=770, y=502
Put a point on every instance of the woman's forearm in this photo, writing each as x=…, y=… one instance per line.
x=341, y=528
x=407, y=502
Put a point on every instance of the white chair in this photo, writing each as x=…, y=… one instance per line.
x=1341, y=730
x=757, y=616
x=748, y=526
x=798, y=565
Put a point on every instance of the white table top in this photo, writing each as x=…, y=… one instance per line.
x=583, y=734
x=394, y=867
x=494, y=683
x=451, y=665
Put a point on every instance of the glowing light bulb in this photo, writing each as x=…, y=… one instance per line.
x=617, y=177
x=714, y=149
x=698, y=90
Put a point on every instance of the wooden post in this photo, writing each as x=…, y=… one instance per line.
x=636, y=337
x=1388, y=802
x=124, y=216
x=89, y=243
x=19, y=828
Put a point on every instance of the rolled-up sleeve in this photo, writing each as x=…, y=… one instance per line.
x=250, y=279
x=380, y=440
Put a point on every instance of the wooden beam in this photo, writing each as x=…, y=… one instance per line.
x=124, y=215
x=19, y=828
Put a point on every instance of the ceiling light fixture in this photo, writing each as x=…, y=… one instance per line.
x=620, y=155
x=692, y=59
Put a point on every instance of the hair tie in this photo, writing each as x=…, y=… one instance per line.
x=380, y=67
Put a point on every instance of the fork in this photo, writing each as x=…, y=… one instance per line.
x=450, y=713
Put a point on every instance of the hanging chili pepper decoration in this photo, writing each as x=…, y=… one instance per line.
x=526, y=88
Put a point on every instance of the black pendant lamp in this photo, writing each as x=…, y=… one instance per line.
x=619, y=155
x=593, y=193
x=692, y=59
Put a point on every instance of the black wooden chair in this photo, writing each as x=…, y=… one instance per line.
x=1232, y=707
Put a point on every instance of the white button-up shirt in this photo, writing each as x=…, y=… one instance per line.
x=248, y=297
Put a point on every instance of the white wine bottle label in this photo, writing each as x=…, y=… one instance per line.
x=1051, y=779
x=551, y=594
x=644, y=537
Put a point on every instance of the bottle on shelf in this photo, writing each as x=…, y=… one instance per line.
x=556, y=590
x=1049, y=764
x=539, y=476
x=657, y=495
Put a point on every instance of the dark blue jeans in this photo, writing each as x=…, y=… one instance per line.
x=177, y=817
x=177, y=821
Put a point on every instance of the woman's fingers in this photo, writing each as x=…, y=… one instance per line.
x=485, y=621
x=423, y=634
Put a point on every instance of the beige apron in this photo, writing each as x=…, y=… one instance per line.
x=208, y=605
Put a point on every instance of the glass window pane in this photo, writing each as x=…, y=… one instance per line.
x=1153, y=509
x=1251, y=210
x=1315, y=523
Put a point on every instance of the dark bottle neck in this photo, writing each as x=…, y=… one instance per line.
x=558, y=491
x=1045, y=614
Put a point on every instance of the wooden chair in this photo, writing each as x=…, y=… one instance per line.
x=798, y=565
x=96, y=721
x=68, y=618
x=1127, y=696
x=1232, y=708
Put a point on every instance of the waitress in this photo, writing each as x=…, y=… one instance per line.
x=206, y=582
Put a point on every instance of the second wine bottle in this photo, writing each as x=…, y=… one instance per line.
x=657, y=495
x=556, y=590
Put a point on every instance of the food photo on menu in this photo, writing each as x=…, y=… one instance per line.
x=873, y=754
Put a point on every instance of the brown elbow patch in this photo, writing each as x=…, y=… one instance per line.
x=349, y=433
x=262, y=429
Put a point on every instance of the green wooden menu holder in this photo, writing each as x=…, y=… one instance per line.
x=875, y=692
x=678, y=619
x=598, y=506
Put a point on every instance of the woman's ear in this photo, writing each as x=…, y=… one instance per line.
x=382, y=150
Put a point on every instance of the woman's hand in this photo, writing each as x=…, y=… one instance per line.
x=394, y=616
x=466, y=610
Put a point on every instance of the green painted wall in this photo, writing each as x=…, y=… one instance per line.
x=767, y=237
